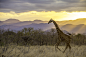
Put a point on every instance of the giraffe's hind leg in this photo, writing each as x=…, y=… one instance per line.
x=69, y=47
x=66, y=47
x=56, y=45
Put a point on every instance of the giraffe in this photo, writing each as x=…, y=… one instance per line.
x=61, y=37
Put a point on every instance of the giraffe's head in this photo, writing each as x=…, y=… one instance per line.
x=51, y=20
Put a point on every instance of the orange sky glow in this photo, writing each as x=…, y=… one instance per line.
x=43, y=15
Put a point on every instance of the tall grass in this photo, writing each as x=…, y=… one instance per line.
x=41, y=51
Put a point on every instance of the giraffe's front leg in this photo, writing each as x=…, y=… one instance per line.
x=56, y=45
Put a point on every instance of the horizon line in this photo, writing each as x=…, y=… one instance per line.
x=40, y=20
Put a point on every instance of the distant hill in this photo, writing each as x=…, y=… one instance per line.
x=81, y=28
x=72, y=26
x=44, y=26
x=17, y=22
x=11, y=21
x=74, y=22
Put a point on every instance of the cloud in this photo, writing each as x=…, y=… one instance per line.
x=41, y=1
x=42, y=5
x=71, y=1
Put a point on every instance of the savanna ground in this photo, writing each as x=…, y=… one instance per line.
x=41, y=51
x=38, y=43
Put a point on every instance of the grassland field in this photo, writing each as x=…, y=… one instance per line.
x=41, y=51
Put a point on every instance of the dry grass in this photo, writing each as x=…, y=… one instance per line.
x=41, y=51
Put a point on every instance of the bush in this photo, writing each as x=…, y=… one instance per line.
x=36, y=37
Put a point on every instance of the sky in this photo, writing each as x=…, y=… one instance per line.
x=29, y=10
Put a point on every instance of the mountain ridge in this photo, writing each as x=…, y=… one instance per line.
x=73, y=26
x=81, y=28
x=75, y=22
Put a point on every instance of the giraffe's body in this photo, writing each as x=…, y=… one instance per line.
x=61, y=37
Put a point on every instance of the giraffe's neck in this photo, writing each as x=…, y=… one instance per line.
x=57, y=27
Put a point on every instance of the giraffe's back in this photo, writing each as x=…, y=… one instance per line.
x=65, y=37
